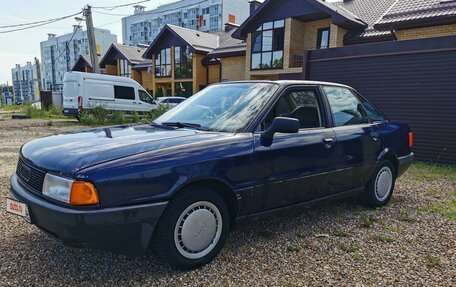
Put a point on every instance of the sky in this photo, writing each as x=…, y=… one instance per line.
x=23, y=46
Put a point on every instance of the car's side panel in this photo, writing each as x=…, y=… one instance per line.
x=156, y=176
x=358, y=147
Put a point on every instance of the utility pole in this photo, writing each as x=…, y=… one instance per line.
x=91, y=38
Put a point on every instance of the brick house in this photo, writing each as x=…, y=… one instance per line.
x=119, y=60
x=278, y=33
x=179, y=62
x=83, y=64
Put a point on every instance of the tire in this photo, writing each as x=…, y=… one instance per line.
x=381, y=185
x=193, y=228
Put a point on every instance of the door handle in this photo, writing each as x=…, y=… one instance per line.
x=328, y=142
x=374, y=136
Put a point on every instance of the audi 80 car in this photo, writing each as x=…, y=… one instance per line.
x=234, y=150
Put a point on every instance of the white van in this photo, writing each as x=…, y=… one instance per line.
x=82, y=91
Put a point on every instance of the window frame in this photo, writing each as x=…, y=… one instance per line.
x=182, y=64
x=164, y=64
x=320, y=37
x=116, y=87
x=144, y=91
x=260, y=31
x=284, y=91
x=329, y=109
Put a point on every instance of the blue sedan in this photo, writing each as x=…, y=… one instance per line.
x=234, y=150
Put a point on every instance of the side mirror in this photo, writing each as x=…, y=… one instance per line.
x=281, y=125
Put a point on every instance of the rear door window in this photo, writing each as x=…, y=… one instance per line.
x=345, y=107
x=124, y=93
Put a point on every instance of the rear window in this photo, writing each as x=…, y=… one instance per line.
x=124, y=93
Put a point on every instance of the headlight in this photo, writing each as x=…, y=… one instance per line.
x=78, y=193
x=58, y=188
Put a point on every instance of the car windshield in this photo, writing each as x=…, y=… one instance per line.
x=223, y=107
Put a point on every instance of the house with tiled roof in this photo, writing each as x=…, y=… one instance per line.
x=279, y=33
x=119, y=60
x=181, y=63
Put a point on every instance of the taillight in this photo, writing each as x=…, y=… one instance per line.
x=80, y=103
x=410, y=138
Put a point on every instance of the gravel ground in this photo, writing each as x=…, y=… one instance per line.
x=337, y=244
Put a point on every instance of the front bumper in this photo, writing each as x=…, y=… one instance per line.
x=404, y=163
x=126, y=230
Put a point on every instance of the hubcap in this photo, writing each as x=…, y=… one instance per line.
x=383, y=183
x=198, y=230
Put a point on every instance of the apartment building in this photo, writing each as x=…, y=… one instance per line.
x=203, y=15
x=25, y=83
x=60, y=53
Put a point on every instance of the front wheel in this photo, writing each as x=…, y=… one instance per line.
x=380, y=187
x=193, y=228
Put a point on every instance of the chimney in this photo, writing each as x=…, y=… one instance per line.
x=51, y=36
x=254, y=4
x=230, y=26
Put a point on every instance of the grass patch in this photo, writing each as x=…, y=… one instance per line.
x=357, y=256
x=51, y=113
x=424, y=171
x=102, y=117
x=432, y=261
x=405, y=215
x=353, y=251
x=384, y=238
x=348, y=248
x=447, y=209
x=13, y=108
x=367, y=221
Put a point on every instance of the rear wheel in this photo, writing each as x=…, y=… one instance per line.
x=193, y=228
x=380, y=187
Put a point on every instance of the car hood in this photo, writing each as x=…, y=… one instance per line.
x=72, y=151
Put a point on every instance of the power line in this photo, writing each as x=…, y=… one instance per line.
x=38, y=22
x=110, y=8
x=38, y=25
x=111, y=14
x=66, y=44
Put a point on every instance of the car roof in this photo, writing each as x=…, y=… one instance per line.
x=290, y=82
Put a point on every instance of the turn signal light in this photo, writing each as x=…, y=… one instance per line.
x=410, y=139
x=83, y=194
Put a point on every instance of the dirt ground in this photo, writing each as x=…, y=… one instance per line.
x=410, y=242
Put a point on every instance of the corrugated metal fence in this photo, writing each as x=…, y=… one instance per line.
x=412, y=81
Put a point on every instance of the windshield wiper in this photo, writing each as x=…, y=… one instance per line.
x=182, y=125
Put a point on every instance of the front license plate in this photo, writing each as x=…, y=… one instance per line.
x=17, y=208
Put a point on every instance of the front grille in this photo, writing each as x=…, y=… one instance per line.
x=30, y=177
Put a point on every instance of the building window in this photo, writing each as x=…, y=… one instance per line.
x=163, y=63
x=183, y=62
x=267, y=46
x=323, y=38
x=125, y=68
